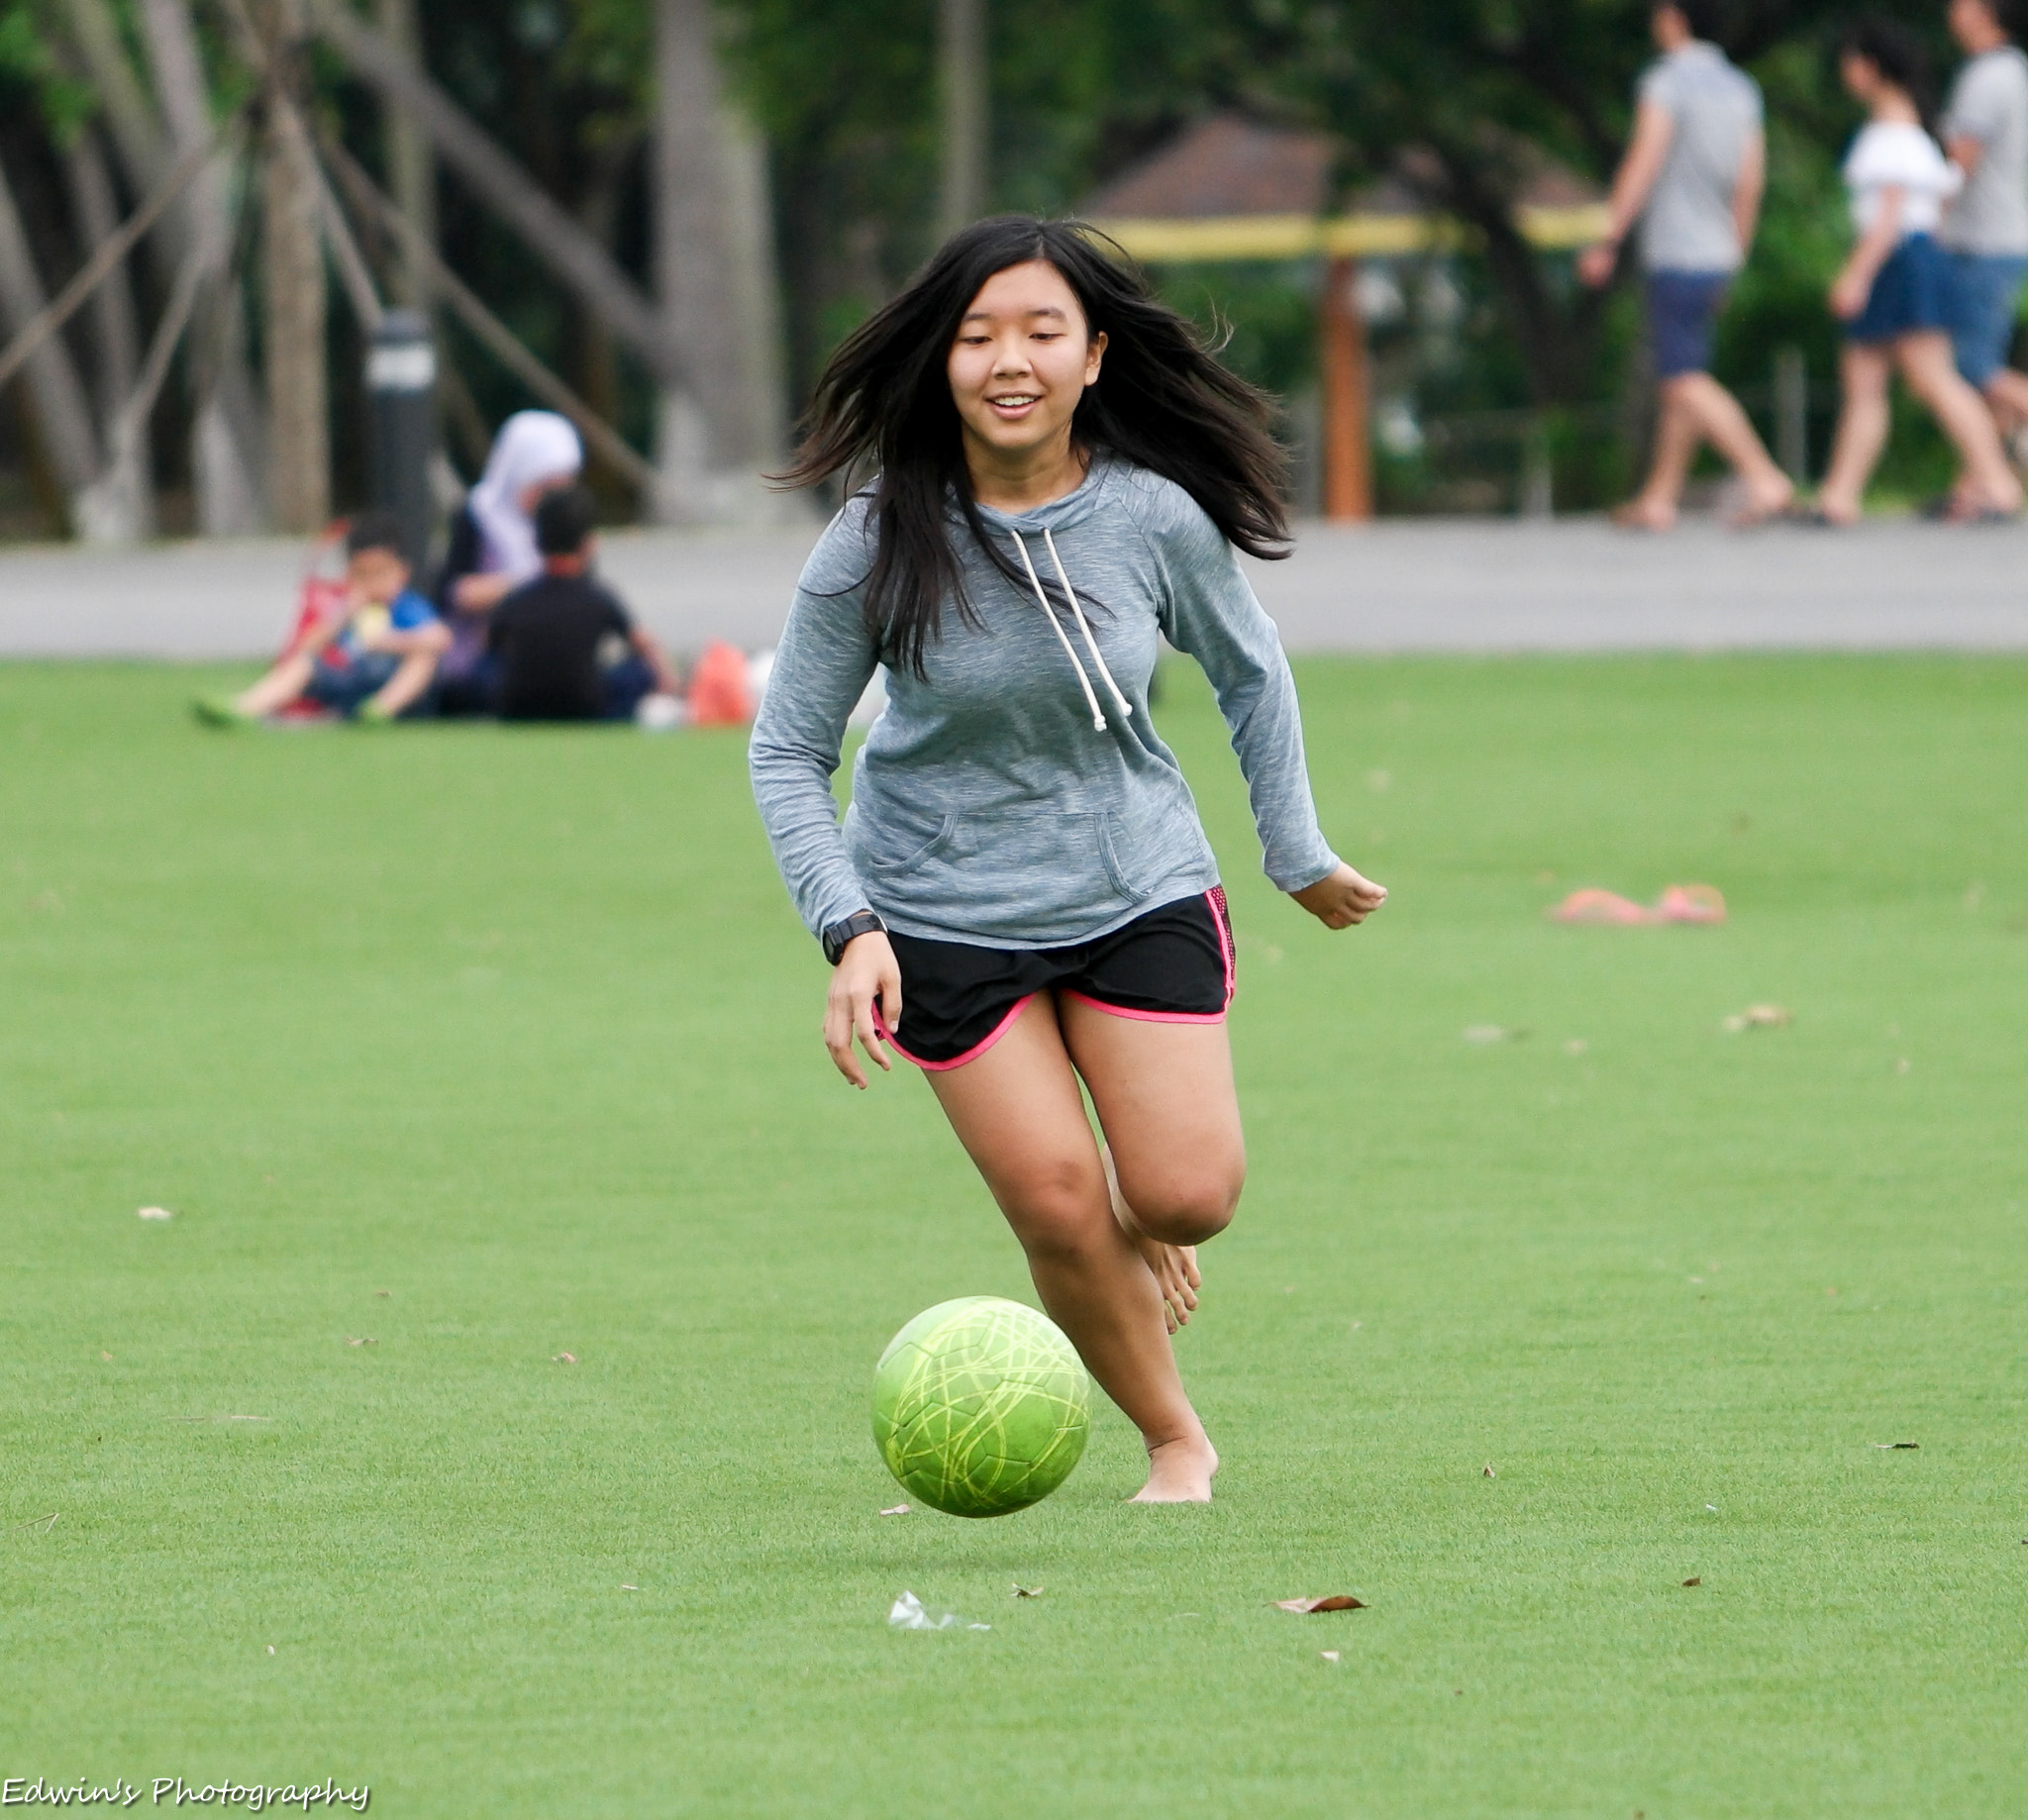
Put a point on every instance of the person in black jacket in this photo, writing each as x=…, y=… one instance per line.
x=550, y=638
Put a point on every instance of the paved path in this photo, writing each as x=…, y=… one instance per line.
x=1442, y=584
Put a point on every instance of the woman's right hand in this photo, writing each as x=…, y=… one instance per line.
x=1847, y=295
x=866, y=973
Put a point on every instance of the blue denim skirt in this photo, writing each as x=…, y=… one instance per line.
x=1916, y=291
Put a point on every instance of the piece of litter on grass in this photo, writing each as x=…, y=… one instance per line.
x=1328, y=1655
x=1026, y=1592
x=1901, y=1066
x=564, y=1359
x=1575, y=1046
x=103, y=1354
x=1712, y=1507
x=363, y=1340
x=624, y=1588
x=1757, y=1017
x=907, y=1614
x=154, y=1213
x=383, y=1292
x=1337, y=1601
x=1696, y=1580
x=1493, y=1033
x=1487, y=1470
x=1888, y=1446
x=44, y=1522
x=895, y=1510
x=225, y=1418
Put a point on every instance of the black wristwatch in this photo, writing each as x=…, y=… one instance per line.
x=837, y=934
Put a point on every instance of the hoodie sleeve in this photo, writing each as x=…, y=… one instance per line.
x=1210, y=611
x=821, y=669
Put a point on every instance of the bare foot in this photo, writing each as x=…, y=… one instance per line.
x=1173, y=1267
x=1645, y=515
x=1764, y=503
x=1180, y=1471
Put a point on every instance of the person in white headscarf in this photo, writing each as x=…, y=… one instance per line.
x=492, y=544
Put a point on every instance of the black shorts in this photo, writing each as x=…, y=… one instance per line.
x=1172, y=965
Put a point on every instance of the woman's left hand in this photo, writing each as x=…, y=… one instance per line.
x=1342, y=898
x=1848, y=295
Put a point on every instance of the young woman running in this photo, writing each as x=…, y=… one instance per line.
x=1897, y=294
x=1052, y=475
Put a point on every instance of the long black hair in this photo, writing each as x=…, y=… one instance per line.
x=882, y=417
x=1897, y=54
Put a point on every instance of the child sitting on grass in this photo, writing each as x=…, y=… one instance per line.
x=369, y=664
x=547, y=634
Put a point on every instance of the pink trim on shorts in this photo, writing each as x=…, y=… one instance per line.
x=1145, y=1017
x=1215, y=897
x=977, y=1049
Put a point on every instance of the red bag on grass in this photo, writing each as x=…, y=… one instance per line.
x=720, y=695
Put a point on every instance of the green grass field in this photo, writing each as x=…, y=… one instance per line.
x=488, y=1047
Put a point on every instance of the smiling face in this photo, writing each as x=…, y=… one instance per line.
x=1021, y=359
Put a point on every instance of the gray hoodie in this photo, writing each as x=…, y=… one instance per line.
x=1020, y=797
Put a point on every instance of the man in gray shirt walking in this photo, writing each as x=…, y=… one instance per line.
x=1693, y=178
x=1985, y=131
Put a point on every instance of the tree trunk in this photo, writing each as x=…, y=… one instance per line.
x=62, y=414
x=502, y=185
x=131, y=119
x=292, y=272
x=114, y=327
x=716, y=280
x=411, y=167
x=226, y=458
x=121, y=500
x=961, y=73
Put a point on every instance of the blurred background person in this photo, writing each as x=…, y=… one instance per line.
x=1693, y=178
x=494, y=547
x=1896, y=293
x=1986, y=228
x=549, y=636
x=373, y=661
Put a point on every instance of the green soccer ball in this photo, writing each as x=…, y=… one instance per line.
x=980, y=1406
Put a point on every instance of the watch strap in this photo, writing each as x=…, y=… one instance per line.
x=838, y=934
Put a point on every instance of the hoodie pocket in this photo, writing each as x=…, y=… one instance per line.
x=927, y=851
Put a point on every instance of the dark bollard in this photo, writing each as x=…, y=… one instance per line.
x=401, y=388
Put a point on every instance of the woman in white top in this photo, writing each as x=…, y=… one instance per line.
x=1896, y=295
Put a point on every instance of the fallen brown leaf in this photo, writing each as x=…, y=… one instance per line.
x=363, y=1339
x=1337, y=1601
x=1487, y=1470
x=383, y=1292
x=1757, y=1017
x=103, y=1354
x=1696, y=1580
x=564, y=1359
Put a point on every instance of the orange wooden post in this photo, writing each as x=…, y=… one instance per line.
x=1342, y=351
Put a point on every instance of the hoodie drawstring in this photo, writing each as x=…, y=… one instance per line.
x=1125, y=707
x=1042, y=600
